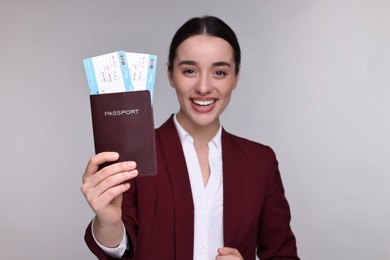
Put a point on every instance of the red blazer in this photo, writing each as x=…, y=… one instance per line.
x=158, y=210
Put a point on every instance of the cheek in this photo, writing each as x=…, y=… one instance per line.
x=183, y=84
x=226, y=88
x=175, y=79
x=180, y=88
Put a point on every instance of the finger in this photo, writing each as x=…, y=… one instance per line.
x=107, y=178
x=112, y=170
x=228, y=251
x=90, y=187
x=100, y=196
x=112, y=181
x=95, y=161
x=226, y=257
x=113, y=192
x=100, y=203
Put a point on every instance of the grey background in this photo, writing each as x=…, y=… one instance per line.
x=315, y=85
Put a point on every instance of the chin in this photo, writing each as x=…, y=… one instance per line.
x=205, y=120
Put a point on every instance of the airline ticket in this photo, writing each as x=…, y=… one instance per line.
x=121, y=71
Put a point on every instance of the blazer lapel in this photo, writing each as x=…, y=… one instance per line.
x=232, y=190
x=181, y=188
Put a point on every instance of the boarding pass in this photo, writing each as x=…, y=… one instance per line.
x=121, y=71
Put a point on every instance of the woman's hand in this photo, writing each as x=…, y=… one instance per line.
x=103, y=190
x=228, y=253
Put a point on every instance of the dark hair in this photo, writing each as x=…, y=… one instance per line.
x=206, y=25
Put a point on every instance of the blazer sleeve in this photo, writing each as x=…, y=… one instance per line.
x=275, y=238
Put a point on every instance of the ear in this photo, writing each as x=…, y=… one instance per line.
x=237, y=78
x=170, y=76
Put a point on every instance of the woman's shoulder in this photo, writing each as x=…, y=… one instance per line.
x=247, y=145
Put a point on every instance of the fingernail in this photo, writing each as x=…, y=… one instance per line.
x=131, y=164
x=114, y=155
x=133, y=173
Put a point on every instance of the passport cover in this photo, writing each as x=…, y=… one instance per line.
x=123, y=122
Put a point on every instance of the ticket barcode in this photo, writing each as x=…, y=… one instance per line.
x=151, y=67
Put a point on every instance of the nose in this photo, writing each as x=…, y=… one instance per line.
x=203, y=85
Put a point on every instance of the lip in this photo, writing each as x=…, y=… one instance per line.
x=203, y=105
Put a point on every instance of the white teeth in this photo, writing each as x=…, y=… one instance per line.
x=203, y=102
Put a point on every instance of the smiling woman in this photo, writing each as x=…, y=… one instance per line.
x=204, y=77
x=216, y=195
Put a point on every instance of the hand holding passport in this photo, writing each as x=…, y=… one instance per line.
x=121, y=87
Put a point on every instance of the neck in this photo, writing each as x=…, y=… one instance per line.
x=202, y=134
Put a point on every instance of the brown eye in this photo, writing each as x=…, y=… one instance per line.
x=189, y=72
x=220, y=73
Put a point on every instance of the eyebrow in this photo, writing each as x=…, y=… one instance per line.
x=215, y=64
x=187, y=62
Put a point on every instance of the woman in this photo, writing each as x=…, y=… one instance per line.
x=216, y=195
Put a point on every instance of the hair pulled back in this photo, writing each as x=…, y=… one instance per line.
x=206, y=25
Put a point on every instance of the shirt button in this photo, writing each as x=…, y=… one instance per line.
x=202, y=246
x=203, y=212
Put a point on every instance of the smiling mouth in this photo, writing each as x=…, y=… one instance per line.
x=203, y=103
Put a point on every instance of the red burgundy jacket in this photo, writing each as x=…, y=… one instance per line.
x=158, y=211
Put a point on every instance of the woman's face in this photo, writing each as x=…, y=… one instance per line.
x=204, y=77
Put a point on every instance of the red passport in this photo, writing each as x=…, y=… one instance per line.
x=123, y=122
